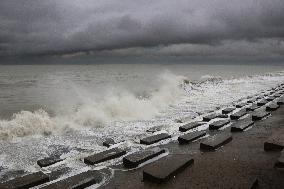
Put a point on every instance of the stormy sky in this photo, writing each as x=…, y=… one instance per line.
x=142, y=27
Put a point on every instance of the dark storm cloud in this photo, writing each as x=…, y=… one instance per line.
x=191, y=27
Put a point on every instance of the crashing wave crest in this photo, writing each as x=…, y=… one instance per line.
x=115, y=106
x=26, y=123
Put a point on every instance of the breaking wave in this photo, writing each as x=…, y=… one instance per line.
x=119, y=105
x=26, y=123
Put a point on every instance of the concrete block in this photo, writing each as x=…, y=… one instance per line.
x=166, y=168
x=216, y=141
x=155, y=138
x=26, y=181
x=187, y=138
x=135, y=159
x=104, y=156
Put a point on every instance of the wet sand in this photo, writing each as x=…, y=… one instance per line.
x=235, y=165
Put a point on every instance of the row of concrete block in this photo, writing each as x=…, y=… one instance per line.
x=163, y=168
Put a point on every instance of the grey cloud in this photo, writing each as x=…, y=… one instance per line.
x=35, y=27
x=227, y=48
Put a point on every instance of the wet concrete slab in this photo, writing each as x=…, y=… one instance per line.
x=259, y=114
x=276, y=141
x=238, y=114
x=211, y=116
x=272, y=106
x=223, y=116
x=280, y=101
x=190, y=125
x=216, y=141
x=277, y=95
x=81, y=180
x=104, y=156
x=252, y=107
x=240, y=105
x=218, y=124
x=259, y=97
x=262, y=102
x=45, y=162
x=272, y=91
x=59, y=171
x=154, y=129
x=53, y=154
x=155, y=138
x=252, y=100
x=166, y=168
x=242, y=124
x=8, y=174
x=270, y=98
x=26, y=181
x=108, y=142
x=189, y=137
x=137, y=158
x=228, y=110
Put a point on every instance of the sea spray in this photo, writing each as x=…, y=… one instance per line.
x=26, y=123
x=115, y=105
x=122, y=105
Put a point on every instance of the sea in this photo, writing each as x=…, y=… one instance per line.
x=69, y=110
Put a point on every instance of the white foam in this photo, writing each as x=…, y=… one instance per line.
x=115, y=105
x=125, y=106
x=124, y=109
x=26, y=123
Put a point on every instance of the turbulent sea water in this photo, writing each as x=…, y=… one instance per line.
x=46, y=109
